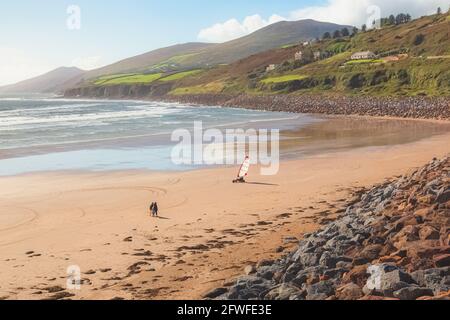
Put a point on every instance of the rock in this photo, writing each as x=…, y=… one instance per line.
x=128, y=239
x=310, y=259
x=89, y=272
x=407, y=234
x=249, y=270
x=412, y=293
x=215, y=293
x=54, y=289
x=443, y=197
x=442, y=260
x=371, y=252
x=320, y=291
x=358, y=275
x=279, y=249
x=61, y=295
x=282, y=292
x=327, y=260
x=428, y=233
x=385, y=279
x=423, y=213
x=376, y=298
x=264, y=263
x=440, y=297
x=291, y=272
x=349, y=291
x=300, y=280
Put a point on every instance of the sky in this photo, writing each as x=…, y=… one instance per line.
x=39, y=36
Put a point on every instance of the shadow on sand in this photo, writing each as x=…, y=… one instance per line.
x=263, y=184
x=162, y=218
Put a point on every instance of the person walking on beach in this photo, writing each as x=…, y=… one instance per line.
x=155, y=209
x=152, y=206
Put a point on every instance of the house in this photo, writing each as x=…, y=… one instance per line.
x=271, y=67
x=298, y=56
x=363, y=55
x=317, y=55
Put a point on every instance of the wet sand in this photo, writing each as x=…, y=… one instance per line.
x=207, y=231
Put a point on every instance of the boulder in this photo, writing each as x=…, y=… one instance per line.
x=443, y=197
x=442, y=260
x=215, y=293
x=358, y=275
x=250, y=270
x=349, y=291
x=320, y=291
x=283, y=292
x=429, y=233
x=386, y=279
x=412, y=293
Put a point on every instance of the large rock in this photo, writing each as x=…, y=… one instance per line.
x=443, y=197
x=215, y=293
x=386, y=279
x=413, y=293
x=320, y=291
x=283, y=292
x=349, y=291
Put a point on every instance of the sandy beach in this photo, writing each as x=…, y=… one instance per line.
x=207, y=231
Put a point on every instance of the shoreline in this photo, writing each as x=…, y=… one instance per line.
x=86, y=219
x=409, y=107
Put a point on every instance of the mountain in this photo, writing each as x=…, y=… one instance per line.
x=144, y=61
x=201, y=55
x=180, y=57
x=55, y=81
x=273, y=36
x=412, y=58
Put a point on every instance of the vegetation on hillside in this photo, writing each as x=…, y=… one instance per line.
x=413, y=58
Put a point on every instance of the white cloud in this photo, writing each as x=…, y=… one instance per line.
x=88, y=63
x=356, y=12
x=351, y=12
x=233, y=29
x=16, y=65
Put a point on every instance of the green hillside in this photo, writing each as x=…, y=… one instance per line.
x=413, y=59
x=205, y=55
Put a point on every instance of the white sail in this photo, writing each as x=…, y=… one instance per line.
x=243, y=172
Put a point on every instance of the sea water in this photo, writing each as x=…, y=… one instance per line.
x=48, y=134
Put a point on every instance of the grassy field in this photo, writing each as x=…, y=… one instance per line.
x=129, y=79
x=104, y=79
x=364, y=61
x=281, y=79
x=180, y=75
x=213, y=87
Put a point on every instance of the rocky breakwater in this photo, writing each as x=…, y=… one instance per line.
x=401, y=107
x=391, y=243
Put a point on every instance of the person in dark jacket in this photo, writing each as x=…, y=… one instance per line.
x=152, y=206
x=155, y=209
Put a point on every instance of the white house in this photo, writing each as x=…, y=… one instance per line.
x=298, y=56
x=363, y=55
x=271, y=67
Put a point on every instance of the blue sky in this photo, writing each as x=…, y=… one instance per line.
x=35, y=38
